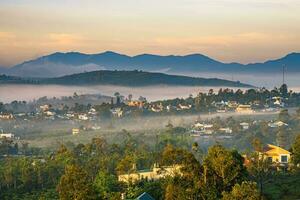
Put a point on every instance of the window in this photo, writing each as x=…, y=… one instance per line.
x=270, y=160
x=284, y=159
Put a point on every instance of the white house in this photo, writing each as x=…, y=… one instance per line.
x=245, y=125
x=7, y=135
x=226, y=130
x=83, y=117
x=277, y=124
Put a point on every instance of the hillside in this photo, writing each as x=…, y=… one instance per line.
x=60, y=64
x=123, y=78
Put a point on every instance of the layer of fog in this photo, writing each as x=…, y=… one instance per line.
x=20, y=92
x=50, y=134
x=268, y=80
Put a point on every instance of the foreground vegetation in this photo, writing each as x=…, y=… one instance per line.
x=90, y=171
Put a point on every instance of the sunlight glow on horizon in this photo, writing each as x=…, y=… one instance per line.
x=227, y=30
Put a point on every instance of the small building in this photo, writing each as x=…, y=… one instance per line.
x=184, y=107
x=83, y=117
x=277, y=124
x=139, y=104
x=245, y=125
x=150, y=174
x=117, y=112
x=206, y=129
x=92, y=111
x=49, y=113
x=144, y=196
x=244, y=109
x=45, y=107
x=7, y=135
x=232, y=104
x=226, y=130
x=75, y=131
x=6, y=116
x=276, y=154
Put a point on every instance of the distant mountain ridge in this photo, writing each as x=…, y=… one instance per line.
x=59, y=64
x=123, y=78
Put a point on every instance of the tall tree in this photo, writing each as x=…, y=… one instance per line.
x=75, y=184
x=245, y=191
x=296, y=151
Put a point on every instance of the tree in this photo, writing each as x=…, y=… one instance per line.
x=75, y=184
x=259, y=169
x=284, y=90
x=296, y=151
x=281, y=137
x=223, y=168
x=246, y=191
x=284, y=116
x=106, y=185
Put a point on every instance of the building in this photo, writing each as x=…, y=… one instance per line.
x=6, y=116
x=45, y=107
x=277, y=124
x=245, y=125
x=207, y=129
x=226, y=130
x=150, y=174
x=75, y=131
x=7, y=135
x=276, y=154
x=117, y=112
x=83, y=117
x=139, y=104
x=49, y=113
x=184, y=107
x=144, y=196
x=244, y=109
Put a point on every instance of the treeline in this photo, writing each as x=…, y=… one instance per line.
x=90, y=171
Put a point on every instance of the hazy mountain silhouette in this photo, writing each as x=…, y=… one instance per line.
x=59, y=64
x=123, y=78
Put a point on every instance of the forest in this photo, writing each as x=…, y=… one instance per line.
x=90, y=171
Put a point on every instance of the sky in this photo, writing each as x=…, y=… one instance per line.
x=227, y=30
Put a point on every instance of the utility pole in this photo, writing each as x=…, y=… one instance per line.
x=283, y=71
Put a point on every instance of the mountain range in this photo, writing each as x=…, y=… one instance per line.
x=123, y=78
x=60, y=64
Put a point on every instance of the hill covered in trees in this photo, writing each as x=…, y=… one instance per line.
x=124, y=78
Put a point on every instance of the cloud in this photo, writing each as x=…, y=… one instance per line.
x=64, y=39
x=5, y=36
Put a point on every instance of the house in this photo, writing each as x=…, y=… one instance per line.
x=150, y=174
x=75, y=131
x=198, y=125
x=277, y=101
x=7, y=135
x=6, y=116
x=277, y=124
x=144, y=196
x=203, y=128
x=139, y=104
x=276, y=154
x=83, y=117
x=244, y=109
x=117, y=112
x=244, y=125
x=92, y=111
x=226, y=130
x=232, y=104
x=183, y=107
x=45, y=107
x=157, y=108
x=49, y=113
